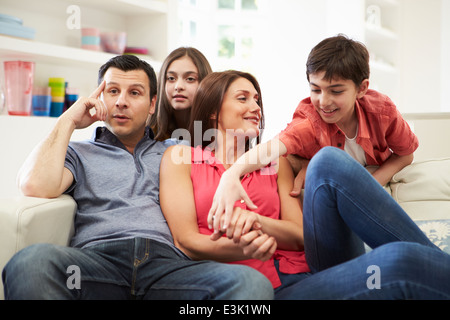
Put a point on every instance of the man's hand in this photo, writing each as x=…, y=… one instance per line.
x=43, y=173
x=86, y=111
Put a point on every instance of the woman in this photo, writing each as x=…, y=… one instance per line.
x=270, y=239
x=179, y=77
x=238, y=120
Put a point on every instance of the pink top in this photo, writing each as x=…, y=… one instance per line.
x=261, y=187
x=382, y=130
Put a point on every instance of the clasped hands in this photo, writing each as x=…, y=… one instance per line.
x=245, y=229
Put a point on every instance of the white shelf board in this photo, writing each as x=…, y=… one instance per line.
x=14, y=48
x=382, y=66
x=380, y=32
x=382, y=3
x=127, y=7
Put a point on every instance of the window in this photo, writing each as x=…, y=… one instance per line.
x=243, y=4
x=247, y=47
x=226, y=31
x=249, y=4
x=226, y=4
x=192, y=29
x=226, y=42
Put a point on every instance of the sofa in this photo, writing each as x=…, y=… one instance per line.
x=422, y=189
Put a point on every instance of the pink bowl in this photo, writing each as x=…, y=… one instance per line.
x=113, y=42
x=93, y=32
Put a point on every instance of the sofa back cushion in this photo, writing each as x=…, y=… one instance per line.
x=423, y=190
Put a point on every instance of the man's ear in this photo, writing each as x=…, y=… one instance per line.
x=152, y=105
x=363, y=87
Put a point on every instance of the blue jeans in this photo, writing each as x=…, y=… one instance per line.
x=344, y=206
x=126, y=269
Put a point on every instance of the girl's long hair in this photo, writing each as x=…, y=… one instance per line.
x=162, y=121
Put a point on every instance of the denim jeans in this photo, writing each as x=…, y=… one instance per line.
x=126, y=269
x=344, y=206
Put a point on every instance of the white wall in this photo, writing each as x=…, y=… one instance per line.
x=18, y=137
x=421, y=56
x=290, y=29
x=425, y=42
x=293, y=28
x=445, y=56
x=432, y=130
x=282, y=72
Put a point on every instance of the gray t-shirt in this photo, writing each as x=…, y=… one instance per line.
x=117, y=192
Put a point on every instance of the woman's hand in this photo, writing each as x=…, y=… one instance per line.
x=242, y=221
x=258, y=245
x=245, y=230
x=227, y=193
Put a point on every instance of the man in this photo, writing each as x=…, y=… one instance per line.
x=122, y=245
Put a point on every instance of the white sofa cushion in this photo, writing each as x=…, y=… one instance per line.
x=26, y=220
x=423, y=190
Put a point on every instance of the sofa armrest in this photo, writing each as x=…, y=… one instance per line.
x=27, y=220
x=423, y=189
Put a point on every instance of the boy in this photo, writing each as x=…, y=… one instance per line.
x=341, y=112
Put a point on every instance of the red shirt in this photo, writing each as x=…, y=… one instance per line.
x=381, y=130
x=261, y=186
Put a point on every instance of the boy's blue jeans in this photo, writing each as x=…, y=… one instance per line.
x=126, y=269
x=344, y=206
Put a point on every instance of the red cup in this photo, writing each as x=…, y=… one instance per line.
x=19, y=87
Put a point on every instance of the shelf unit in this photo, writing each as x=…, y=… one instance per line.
x=40, y=52
x=382, y=37
x=127, y=7
x=56, y=49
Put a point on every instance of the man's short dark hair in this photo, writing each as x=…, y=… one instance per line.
x=130, y=63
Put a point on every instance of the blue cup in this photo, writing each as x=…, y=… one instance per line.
x=41, y=101
x=56, y=109
x=41, y=105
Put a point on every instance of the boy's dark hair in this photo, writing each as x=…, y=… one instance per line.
x=340, y=58
x=130, y=63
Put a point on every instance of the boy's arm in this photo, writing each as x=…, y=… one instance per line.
x=299, y=166
x=391, y=166
x=43, y=173
x=181, y=216
x=230, y=189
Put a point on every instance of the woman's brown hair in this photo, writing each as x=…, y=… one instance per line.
x=208, y=103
